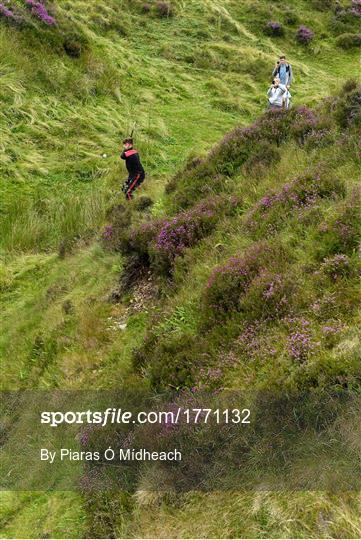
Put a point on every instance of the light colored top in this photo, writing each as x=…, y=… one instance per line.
x=276, y=95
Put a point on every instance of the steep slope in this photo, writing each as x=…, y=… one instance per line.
x=281, y=191
x=72, y=90
x=266, y=229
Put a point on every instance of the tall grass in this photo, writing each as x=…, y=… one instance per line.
x=61, y=114
x=186, y=80
x=46, y=223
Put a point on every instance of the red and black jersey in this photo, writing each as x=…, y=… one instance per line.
x=132, y=161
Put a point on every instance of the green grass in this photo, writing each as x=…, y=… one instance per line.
x=186, y=81
x=79, y=348
x=35, y=515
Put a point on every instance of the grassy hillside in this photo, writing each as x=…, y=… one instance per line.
x=265, y=227
x=184, y=79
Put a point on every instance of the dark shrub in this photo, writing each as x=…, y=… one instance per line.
x=146, y=8
x=339, y=27
x=68, y=307
x=198, y=184
x=348, y=41
x=171, y=361
x=73, y=48
x=348, y=110
x=143, y=203
x=273, y=28
x=304, y=35
x=174, y=363
x=74, y=43
x=141, y=237
x=164, y=9
x=291, y=18
x=323, y=5
x=142, y=355
x=62, y=250
x=133, y=271
x=349, y=86
x=264, y=156
x=115, y=235
x=232, y=151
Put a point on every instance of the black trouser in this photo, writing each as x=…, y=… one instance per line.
x=132, y=183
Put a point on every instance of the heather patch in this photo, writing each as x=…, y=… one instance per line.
x=17, y=13
x=60, y=116
x=270, y=296
x=253, y=146
x=304, y=35
x=311, y=129
x=355, y=8
x=300, y=342
x=300, y=194
x=255, y=343
x=113, y=236
x=319, y=137
x=228, y=284
x=189, y=188
x=331, y=333
x=291, y=17
x=341, y=233
x=181, y=232
x=8, y=13
x=304, y=123
x=38, y=10
x=349, y=12
x=336, y=267
x=162, y=241
x=240, y=143
x=141, y=237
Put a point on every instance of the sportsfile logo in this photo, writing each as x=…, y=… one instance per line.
x=102, y=418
